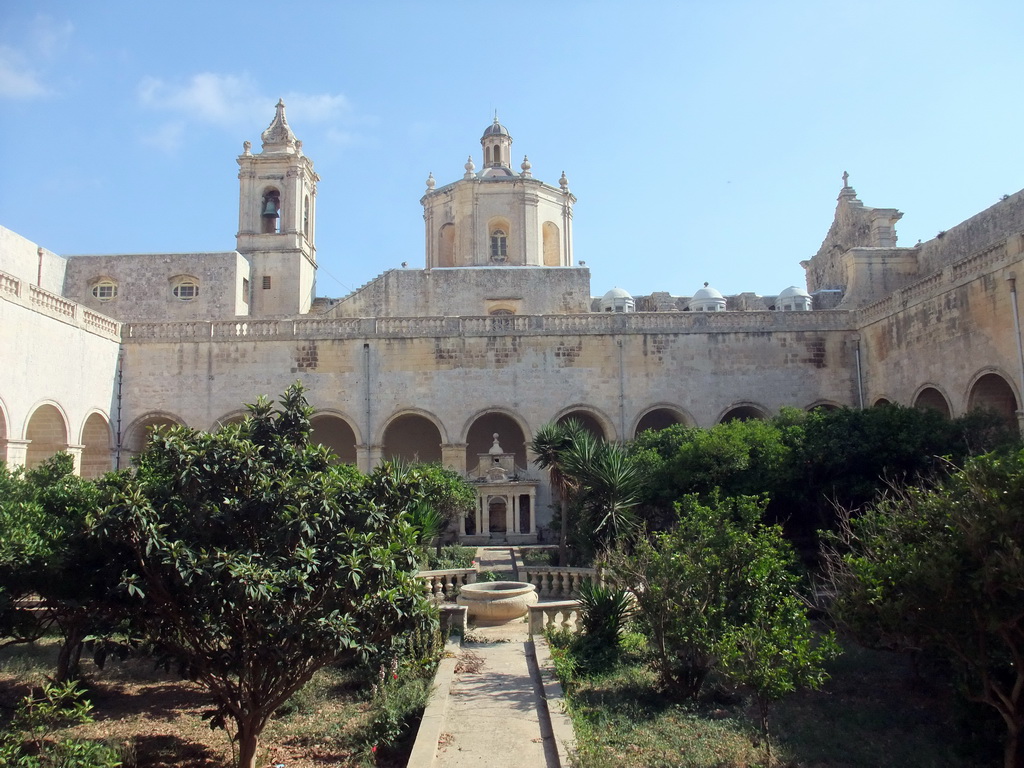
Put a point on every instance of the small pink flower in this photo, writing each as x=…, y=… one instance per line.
x=373, y=748
x=394, y=675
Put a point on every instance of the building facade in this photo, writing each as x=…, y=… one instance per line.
x=462, y=360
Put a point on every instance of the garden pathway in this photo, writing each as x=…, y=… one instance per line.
x=496, y=712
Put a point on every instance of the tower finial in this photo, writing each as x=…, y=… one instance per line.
x=846, y=180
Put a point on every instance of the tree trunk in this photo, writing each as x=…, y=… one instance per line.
x=1013, y=751
x=563, y=539
x=248, y=744
x=70, y=651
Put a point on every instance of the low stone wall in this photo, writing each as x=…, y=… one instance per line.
x=556, y=583
x=444, y=585
x=560, y=614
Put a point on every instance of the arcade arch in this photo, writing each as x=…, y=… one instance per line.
x=930, y=398
x=47, y=433
x=992, y=392
x=743, y=412
x=480, y=438
x=594, y=422
x=823, y=405
x=334, y=432
x=97, y=447
x=137, y=434
x=659, y=418
x=413, y=438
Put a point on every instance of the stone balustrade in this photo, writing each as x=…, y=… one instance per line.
x=443, y=586
x=38, y=300
x=519, y=325
x=560, y=614
x=558, y=583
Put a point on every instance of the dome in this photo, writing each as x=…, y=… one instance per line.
x=707, y=293
x=793, y=299
x=495, y=129
x=793, y=292
x=617, y=300
x=707, y=299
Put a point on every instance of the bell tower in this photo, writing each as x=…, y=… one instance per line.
x=277, y=221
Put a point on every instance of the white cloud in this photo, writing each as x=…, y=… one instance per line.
x=236, y=102
x=17, y=80
x=44, y=41
x=167, y=137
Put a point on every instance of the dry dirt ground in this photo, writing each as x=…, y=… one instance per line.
x=157, y=720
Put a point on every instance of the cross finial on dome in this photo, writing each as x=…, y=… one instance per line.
x=846, y=179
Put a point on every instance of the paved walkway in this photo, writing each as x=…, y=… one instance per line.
x=496, y=710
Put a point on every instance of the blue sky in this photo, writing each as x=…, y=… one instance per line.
x=705, y=141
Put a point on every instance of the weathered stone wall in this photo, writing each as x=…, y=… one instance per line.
x=145, y=283
x=20, y=257
x=470, y=291
x=945, y=330
x=55, y=353
x=976, y=234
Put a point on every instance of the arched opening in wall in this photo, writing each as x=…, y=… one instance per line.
x=47, y=434
x=334, y=432
x=743, y=413
x=587, y=420
x=992, y=392
x=657, y=420
x=138, y=435
x=446, y=246
x=931, y=399
x=880, y=402
x=480, y=438
x=305, y=217
x=414, y=439
x=499, y=245
x=822, y=407
x=552, y=244
x=270, y=212
x=97, y=453
x=232, y=418
x=487, y=156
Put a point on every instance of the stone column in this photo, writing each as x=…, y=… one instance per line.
x=483, y=523
x=17, y=452
x=76, y=454
x=368, y=457
x=533, y=511
x=453, y=456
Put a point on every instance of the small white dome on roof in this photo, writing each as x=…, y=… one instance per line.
x=707, y=299
x=793, y=291
x=707, y=292
x=793, y=299
x=618, y=300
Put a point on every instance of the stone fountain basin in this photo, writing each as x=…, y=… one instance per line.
x=497, y=602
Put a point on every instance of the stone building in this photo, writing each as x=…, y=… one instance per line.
x=461, y=361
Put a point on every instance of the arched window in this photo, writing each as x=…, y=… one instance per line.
x=270, y=213
x=185, y=289
x=105, y=290
x=502, y=319
x=305, y=217
x=499, y=245
x=487, y=155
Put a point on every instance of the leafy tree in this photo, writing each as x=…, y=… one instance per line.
x=735, y=458
x=717, y=591
x=257, y=562
x=47, y=552
x=942, y=570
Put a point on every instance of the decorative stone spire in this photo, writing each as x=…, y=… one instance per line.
x=470, y=168
x=431, y=182
x=564, y=183
x=495, y=448
x=279, y=137
x=526, y=167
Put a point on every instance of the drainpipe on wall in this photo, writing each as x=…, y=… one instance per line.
x=366, y=378
x=860, y=375
x=1012, y=280
x=622, y=395
x=39, y=275
x=120, y=382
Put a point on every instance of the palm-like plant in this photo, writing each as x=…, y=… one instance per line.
x=551, y=444
x=599, y=477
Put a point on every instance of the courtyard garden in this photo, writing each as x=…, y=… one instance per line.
x=835, y=589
